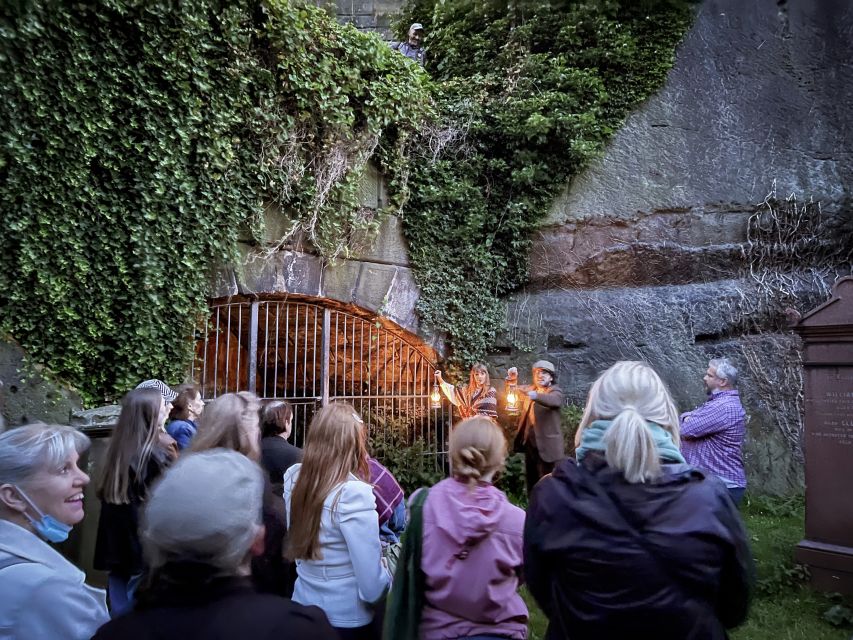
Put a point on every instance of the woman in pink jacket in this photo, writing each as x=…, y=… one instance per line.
x=472, y=544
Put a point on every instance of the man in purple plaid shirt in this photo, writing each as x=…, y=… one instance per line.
x=712, y=434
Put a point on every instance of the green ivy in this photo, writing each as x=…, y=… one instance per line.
x=139, y=139
x=537, y=87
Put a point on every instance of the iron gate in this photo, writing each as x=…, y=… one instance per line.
x=311, y=354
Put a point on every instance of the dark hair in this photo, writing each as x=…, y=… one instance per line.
x=275, y=417
x=181, y=405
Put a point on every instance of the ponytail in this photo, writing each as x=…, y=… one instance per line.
x=630, y=447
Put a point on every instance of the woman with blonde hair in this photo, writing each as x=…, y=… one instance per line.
x=231, y=421
x=471, y=549
x=135, y=459
x=629, y=540
x=334, y=529
x=42, y=595
x=477, y=398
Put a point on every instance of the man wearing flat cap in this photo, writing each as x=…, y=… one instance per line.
x=539, y=433
x=413, y=47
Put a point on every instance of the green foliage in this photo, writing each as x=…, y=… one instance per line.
x=413, y=462
x=137, y=140
x=529, y=92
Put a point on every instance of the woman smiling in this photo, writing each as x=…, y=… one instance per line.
x=42, y=595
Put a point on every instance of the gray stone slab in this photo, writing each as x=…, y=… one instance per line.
x=387, y=246
x=27, y=395
x=340, y=280
x=759, y=96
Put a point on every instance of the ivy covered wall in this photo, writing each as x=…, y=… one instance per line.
x=138, y=140
x=529, y=93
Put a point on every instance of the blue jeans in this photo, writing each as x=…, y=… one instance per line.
x=737, y=494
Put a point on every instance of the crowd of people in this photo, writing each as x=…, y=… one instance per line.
x=213, y=525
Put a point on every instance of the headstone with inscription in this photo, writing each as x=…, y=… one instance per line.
x=827, y=334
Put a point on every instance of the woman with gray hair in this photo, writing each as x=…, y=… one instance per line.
x=200, y=529
x=629, y=540
x=42, y=595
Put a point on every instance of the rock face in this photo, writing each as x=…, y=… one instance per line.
x=25, y=396
x=662, y=251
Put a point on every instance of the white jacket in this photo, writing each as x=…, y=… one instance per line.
x=42, y=595
x=350, y=575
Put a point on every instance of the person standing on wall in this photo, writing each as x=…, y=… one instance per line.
x=539, y=433
x=712, y=435
x=413, y=47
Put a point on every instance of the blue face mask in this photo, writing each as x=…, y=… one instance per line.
x=46, y=526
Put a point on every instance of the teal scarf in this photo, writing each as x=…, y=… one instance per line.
x=592, y=439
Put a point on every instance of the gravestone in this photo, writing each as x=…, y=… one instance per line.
x=827, y=334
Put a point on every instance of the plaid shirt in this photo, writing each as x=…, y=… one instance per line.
x=387, y=492
x=712, y=437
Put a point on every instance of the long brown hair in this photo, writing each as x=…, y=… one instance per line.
x=230, y=422
x=334, y=449
x=472, y=381
x=132, y=444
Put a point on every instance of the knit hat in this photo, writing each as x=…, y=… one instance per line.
x=168, y=394
x=206, y=509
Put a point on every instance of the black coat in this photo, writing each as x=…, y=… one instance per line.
x=680, y=570
x=277, y=456
x=228, y=609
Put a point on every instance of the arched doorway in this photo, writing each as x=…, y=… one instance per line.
x=311, y=351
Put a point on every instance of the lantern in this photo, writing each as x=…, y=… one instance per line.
x=435, y=397
x=512, y=407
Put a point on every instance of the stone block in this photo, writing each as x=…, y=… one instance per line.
x=401, y=298
x=340, y=280
x=106, y=416
x=372, y=187
x=374, y=285
x=223, y=283
x=28, y=395
x=265, y=271
x=388, y=246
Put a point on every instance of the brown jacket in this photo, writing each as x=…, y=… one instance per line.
x=539, y=422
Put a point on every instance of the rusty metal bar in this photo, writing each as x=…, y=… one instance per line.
x=253, y=347
x=325, y=337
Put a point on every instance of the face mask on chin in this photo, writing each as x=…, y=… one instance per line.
x=48, y=527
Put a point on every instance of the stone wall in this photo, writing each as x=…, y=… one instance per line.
x=365, y=15
x=376, y=276
x=26, y=396
x=646, y=256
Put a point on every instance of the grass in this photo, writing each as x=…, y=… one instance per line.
x=784, y=607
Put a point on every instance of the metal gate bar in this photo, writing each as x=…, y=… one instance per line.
x=342, y=356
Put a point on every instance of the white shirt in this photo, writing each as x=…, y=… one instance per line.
x=350, y=576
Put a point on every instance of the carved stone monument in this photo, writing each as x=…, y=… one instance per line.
x=827, y=333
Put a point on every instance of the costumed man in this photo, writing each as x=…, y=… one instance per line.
x=539, y=433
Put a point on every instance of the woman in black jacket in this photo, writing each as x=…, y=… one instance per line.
x=630, y=541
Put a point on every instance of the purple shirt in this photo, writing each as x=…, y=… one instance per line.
x=712, y=437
